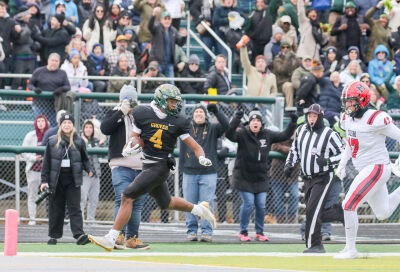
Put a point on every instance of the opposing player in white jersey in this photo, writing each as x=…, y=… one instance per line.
x=366, y=131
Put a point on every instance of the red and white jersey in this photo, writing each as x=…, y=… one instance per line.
x=366, y=137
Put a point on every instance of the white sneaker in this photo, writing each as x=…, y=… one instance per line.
x=207, y=214
x=102, y=241
x=348, y=254
x=31, y=223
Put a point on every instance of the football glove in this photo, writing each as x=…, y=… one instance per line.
x=131, y=151
x=341, y=171
x=396, y=167
x=204, y=161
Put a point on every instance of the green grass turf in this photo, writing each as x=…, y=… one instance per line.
x=203, y=247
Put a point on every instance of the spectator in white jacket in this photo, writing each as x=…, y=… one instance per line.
x=394, y=15
x=351, y=73
x=34, y=163
x=75, y=67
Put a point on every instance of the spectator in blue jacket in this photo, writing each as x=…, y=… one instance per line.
x=329, y=99
x=380, y=68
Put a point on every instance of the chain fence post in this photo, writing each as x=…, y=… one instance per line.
x=17, y=186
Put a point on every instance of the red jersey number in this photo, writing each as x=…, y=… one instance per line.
x=354, y=146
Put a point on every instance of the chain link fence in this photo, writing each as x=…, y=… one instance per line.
x=284, y=203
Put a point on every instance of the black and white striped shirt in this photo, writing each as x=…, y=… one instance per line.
x=309, y=145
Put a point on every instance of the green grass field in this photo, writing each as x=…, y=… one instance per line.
x=303, y=263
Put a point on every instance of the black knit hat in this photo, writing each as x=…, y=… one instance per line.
x=60, y=17
x=255, y=114
x=67, y=116
x=200, y=106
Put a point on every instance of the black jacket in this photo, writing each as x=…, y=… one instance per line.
x=205, y=135
x=260, y=30
x=91, y=67
x=251, y=170
x=191, y=87
x=114, y=125
x=216, y=80
x=53, y=41
x=53, y=156
x=157, y=51
x=308, y=91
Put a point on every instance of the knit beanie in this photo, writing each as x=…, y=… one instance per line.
x=60, y=17
x=128, y=92
x=67, y=116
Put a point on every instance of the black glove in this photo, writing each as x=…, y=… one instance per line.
x=293, y=116
x=321, y=161
x=223, y=153
x=37, y=90
x=287, y=171
x=115, y=24
x=211, y=107
x=171, y=163
x=239, y=114
x=58, y=91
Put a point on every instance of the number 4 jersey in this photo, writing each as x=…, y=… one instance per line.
x=366, y=137
x=158, y=134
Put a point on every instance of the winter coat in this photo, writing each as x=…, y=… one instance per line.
x=396, y=60
x=220, y=21
x=269, y=49
x=191, y=87
x=91, y=67
x=93, y=159
x=115, y=85
x=380, y=71
x=395, y=41
x=78, y=156
x=362, y=6
x=308, y=91
x=251, y=170
x=346, y=77
x=353, y=29
x=260, y=28
x=379, y=35
x=330, y=96
x=146, y=11
x=81, y=70
x=330, y=67
x=24, y=43
x=283, y=67
x=216, y=80
x=53, y=41
x=157, y=51
x=290, y=36
x=298, y=75
x=259, y=84
x=93, y=36
x=344, y=62
x=8, y=34
x=150, y=86
x=206, y=135
x=308, y=45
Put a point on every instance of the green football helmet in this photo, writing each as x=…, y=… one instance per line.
x=168, y=91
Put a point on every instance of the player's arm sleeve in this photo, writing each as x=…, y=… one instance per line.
x=185, y=130
x=392, y=131
x=335, y=148
x=384, y=123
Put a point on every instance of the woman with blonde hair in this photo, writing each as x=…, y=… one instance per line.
x=64, y=160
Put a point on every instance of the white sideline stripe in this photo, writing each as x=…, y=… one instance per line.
x=198, y=254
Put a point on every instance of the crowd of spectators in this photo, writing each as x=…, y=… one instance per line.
x=305, y=51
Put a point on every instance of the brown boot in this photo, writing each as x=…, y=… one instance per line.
x=135, y=243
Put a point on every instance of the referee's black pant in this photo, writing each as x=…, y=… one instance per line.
x=316, y=190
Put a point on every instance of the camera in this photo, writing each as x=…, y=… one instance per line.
x=46, y=192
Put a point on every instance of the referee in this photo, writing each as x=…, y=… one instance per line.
x=319, y=150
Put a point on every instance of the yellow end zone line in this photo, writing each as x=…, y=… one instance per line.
x=200, y=254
